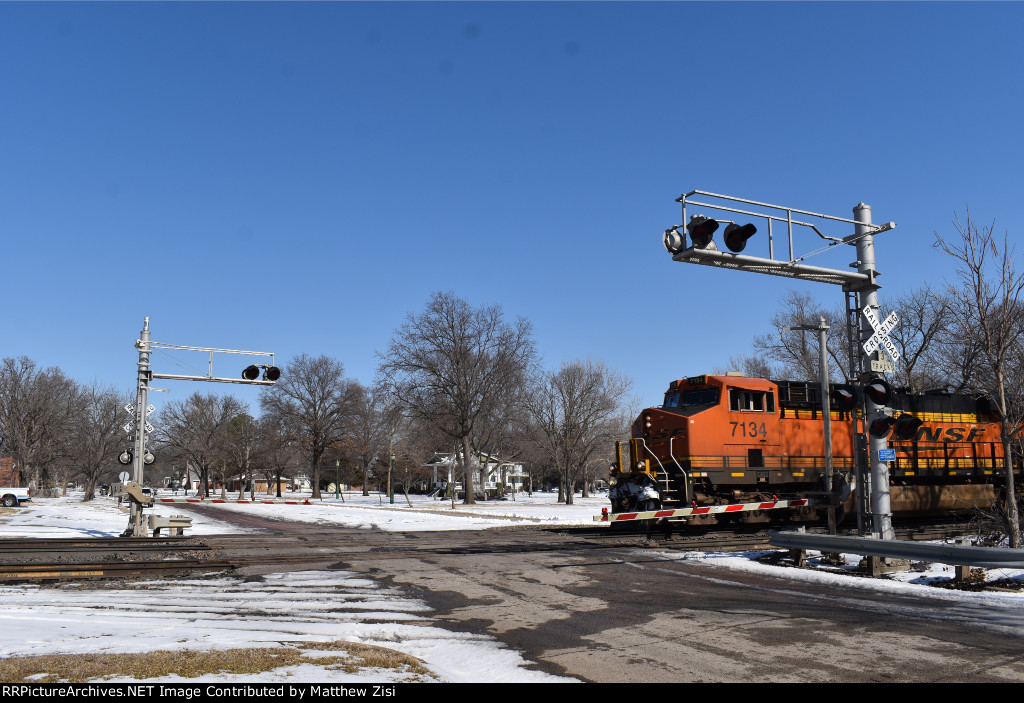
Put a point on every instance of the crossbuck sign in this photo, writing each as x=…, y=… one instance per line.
x=881, y=336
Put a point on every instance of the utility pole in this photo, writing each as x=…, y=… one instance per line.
x=826, y=409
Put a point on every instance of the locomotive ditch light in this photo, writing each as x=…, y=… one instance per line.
x=251, y=373
x=701, y=230
x=906, y=426
x=878, y=391
x=736, y=236
x=271, y=373
x=880, y=426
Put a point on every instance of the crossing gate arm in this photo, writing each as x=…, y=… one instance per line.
x=706, y=510
x=256, y=501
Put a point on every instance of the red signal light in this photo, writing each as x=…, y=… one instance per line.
x=878, y=391
x=272, y=373
x=880, y=427
x=701, y=230
x=906, y=426
x=251, y=373
x=843, y=398
x=736, y=236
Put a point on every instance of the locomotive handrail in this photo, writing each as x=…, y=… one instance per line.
x=686, y=476
x=648, y=450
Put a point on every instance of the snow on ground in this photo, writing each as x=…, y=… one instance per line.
x=225, y=611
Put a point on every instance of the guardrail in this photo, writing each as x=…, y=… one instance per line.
x=955, y=555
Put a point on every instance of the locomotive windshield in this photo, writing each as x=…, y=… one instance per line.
x=691, y=398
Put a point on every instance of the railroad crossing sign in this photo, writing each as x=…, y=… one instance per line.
x=130, y=409
x=881, y=336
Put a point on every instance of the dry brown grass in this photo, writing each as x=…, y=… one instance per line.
x=349, y=657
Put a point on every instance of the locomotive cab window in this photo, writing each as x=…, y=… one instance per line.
x=690, y=398
x=741, y=400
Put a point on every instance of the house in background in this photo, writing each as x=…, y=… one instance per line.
x=9, y=473
x=490, y=472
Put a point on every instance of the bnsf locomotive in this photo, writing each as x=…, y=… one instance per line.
x=730, y=439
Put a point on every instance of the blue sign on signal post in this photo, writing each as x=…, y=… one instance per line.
x=887, y=455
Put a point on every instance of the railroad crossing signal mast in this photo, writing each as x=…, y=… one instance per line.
x=139, y=455
x=697, y=246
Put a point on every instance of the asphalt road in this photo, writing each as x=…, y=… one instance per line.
x=622, y=613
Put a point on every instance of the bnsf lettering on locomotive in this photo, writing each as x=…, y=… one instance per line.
x=952, y=434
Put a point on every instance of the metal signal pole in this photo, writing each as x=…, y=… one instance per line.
x=881, y=512
x=141, y=455
x=141, y=404
x=692, y=242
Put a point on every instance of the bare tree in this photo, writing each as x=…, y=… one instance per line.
x=280, y=456
x=314, y=399
x=793, y=354
x=371, y=431
x=922, y=338
x=578, y=412
x=197, y=427
x=37, y=408
x=452, y=364
x=988, y=293
x=242, y=439
x=755, y=365
x=925, y=316
x=98, y=433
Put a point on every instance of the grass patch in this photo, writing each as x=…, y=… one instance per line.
x=350, y=657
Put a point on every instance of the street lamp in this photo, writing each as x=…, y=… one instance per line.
x=391, y=490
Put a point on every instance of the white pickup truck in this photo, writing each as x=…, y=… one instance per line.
x=12, y=497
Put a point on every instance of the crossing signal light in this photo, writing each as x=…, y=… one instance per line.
x=880, y=426
x=673, y=241
x=701, y=230
x=906, y=426
x=878, y=391
x=251, y=373
x=736, y=236
x=272, y=373
x=843, y=398
x=125, y=457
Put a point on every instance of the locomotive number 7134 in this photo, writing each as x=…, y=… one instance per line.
x=748, y=429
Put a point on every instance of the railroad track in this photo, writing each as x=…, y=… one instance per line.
x=16, y=545
x=46, y=560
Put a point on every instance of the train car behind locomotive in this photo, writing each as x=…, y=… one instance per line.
x=724, y=439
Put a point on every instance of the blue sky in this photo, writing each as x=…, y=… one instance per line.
x=297, y=177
